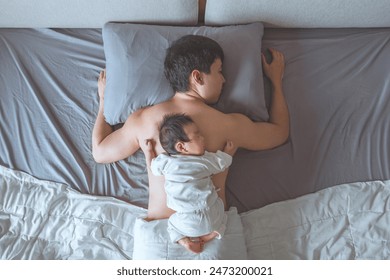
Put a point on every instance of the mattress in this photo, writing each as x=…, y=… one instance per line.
x=336, y=85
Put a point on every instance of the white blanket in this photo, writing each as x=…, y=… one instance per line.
x=349, y=221
x=47, y=220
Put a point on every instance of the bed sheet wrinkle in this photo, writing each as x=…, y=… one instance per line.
x=77, y=42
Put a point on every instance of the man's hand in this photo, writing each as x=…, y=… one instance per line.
x=149, y=151
x=102, y=84
x=275, y=70
x=230, y=148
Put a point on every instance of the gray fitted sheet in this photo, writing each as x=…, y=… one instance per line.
x=337, y=86
x=49, y=102
x=336, y=83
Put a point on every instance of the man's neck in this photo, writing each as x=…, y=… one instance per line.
x=189, y=95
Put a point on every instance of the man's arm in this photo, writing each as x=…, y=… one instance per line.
x=266, y=135
x=109, y=145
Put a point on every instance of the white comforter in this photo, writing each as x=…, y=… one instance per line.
x=47, y=220
x=349, y=221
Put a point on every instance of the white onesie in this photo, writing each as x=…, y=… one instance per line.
x=191, y=193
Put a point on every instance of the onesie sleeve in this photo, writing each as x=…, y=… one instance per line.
x=218, y=161
x=158, y=165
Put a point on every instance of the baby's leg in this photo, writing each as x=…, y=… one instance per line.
x=219, y=181
x=209, y=237
x=194, y=245
x=222, y=196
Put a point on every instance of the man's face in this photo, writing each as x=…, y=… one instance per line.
x=213, y=82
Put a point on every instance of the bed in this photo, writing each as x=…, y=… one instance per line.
x=322, y=195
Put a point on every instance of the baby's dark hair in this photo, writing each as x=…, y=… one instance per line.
x=189, y=53
x=172, y=131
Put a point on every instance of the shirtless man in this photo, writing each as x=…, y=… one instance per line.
x=196, y=86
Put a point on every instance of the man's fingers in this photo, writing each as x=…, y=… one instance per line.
x=264, y=59
x=149, y=142
x=102, y=75
x=277, y=54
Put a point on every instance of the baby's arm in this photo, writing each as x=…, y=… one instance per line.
x=221, y=160
x=230, y=148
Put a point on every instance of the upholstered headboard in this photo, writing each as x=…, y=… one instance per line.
x=300, y=13
x=95, y=13
x=275, y=13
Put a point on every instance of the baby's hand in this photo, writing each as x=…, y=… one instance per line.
x=230, y=148
x=194, y=245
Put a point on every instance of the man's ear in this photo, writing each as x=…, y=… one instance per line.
x=180, y=147
x=196, y=76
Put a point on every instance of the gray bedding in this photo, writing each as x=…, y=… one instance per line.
x=336, y=83
x=48, y=107
x=337, y=86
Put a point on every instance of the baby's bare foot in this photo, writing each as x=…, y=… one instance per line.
x=209, y=237
x=194, y=245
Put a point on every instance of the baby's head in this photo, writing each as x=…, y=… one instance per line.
x=180, y=135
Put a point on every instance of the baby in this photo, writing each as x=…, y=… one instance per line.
x=187, y=167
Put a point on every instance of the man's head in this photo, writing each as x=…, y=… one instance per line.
x=189, y=53
x=180, y=135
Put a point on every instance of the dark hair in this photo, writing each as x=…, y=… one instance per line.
x=189, y=53
x=172, y=131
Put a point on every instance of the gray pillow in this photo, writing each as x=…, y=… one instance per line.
x=135, y=56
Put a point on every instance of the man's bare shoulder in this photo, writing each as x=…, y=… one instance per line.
x=144, y=113
x=138, y=120
x=145, y=121
x=230, y=118
x=236, y=117
x=159, y=108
